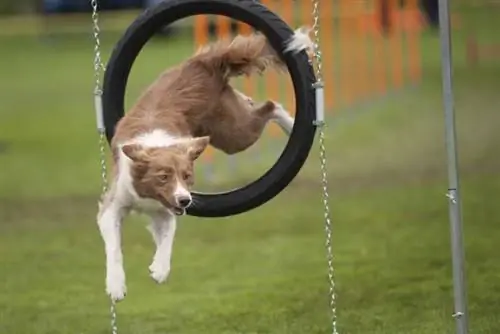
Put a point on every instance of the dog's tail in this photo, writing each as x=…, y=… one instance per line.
x=245, y=55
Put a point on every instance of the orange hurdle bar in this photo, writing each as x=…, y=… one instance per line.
x=396, y=47
x=306, y=10
x=327, y=47
x=379, y=59
x=345, y=52
x=223, y=25
x=200, y=30
x=366, y=25
x=413, y=39
x=360, y=53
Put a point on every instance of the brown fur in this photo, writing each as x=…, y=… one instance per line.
x=156, y=171
x=195, y=99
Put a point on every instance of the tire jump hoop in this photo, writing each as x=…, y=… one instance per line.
x=308, y=94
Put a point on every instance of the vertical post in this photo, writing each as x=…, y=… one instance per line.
x=384, y=16
x=306, y=8
x=328, y=37
x=396, y=44
x=346, y=47
x=363, y=18
x=379, y=58
x=357, y=44
x=460, y=313
x=414, y=32
x=223, y=27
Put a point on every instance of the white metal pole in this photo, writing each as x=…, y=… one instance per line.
x=460, y=312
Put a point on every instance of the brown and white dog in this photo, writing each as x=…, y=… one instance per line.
x=155, y=144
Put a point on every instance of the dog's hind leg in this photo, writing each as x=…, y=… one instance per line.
x=283, y=118
x=240, y=125
x=280, y=115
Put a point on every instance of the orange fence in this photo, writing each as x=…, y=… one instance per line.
x=360, y=61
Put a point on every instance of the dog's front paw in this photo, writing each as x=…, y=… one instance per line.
x=159, y=271
x=115, y=284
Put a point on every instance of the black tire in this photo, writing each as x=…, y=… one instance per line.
x=278, y=32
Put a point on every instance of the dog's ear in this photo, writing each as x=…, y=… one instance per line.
x=197, y=146
x=134, y=152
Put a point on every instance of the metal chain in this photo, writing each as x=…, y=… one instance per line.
x=98, y=68
x=324, y=170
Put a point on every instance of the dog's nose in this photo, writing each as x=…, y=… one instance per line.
x=184, y=201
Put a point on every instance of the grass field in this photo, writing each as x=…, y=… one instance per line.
x=263, y=271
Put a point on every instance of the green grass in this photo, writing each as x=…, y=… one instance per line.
x=263, y=271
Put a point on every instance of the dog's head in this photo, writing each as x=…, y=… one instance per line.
x=165, y=173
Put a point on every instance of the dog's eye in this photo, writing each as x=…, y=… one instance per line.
x=164, y=177
x=186, y=176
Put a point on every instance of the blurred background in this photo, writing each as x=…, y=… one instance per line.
x=263, y=271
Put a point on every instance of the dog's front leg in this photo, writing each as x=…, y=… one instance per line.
x=156, y=229
x=163, y=227
x=109, y=220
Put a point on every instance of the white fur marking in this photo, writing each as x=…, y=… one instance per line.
x=180, y=192
x=157, y=138
x=283, y=118
x=300, y=41
x=109, y=222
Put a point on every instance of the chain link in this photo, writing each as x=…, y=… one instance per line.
x=328, y=228
x=317, y=50
x=324, y=168
x=98, y=64
x=98, y=69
